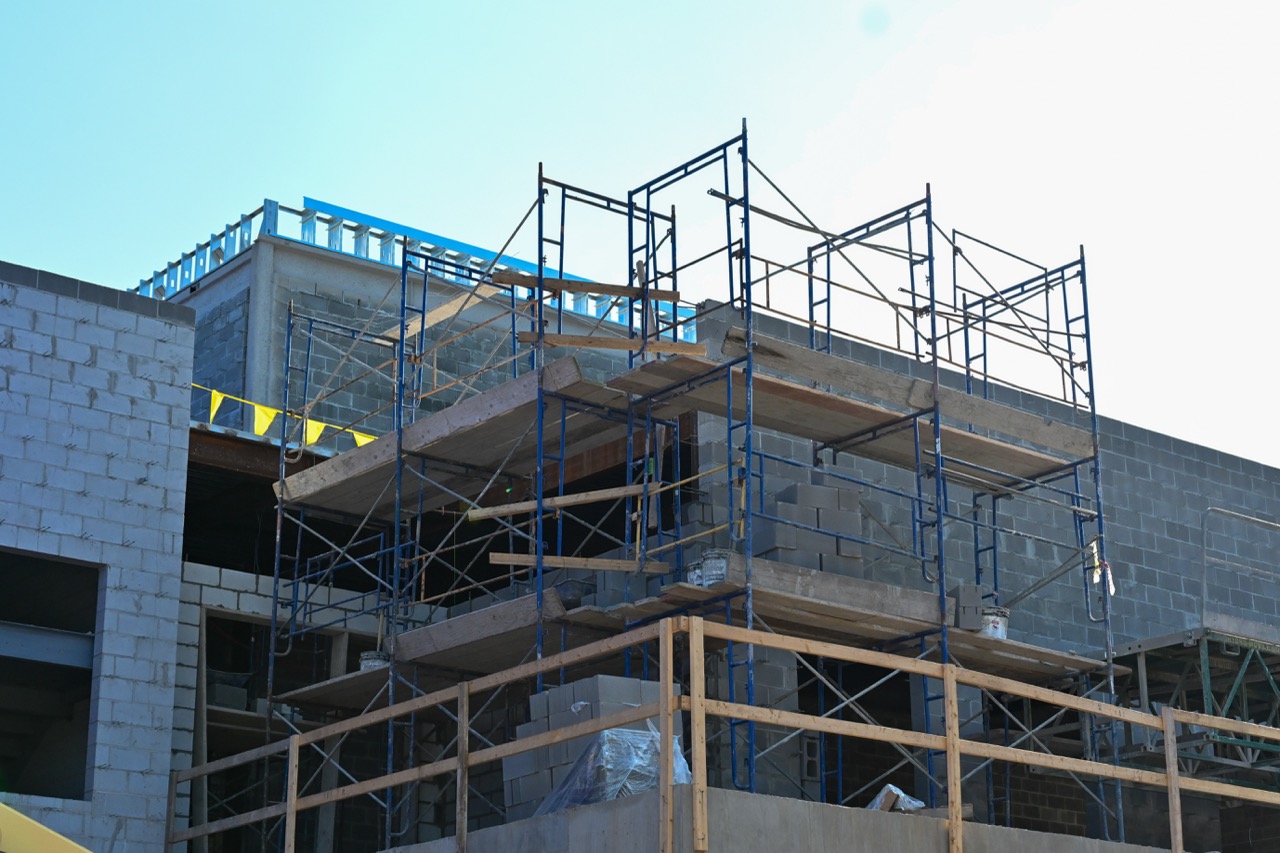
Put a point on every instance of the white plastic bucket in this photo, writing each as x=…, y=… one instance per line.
x=995, y=622
x=373, y=660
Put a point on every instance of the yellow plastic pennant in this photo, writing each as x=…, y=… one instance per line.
x=262, y=418
x=362, y=438
x=314, y=429
x=215, y=400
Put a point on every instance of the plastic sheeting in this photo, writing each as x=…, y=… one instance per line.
x=899, y=801
x=617, y=763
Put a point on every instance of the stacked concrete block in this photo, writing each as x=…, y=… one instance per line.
x=94, y=419
x=811, y=519
x=530, y=776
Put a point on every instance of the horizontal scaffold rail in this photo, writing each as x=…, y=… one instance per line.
x=700, y=634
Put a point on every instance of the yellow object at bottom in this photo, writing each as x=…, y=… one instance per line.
x=21, y=834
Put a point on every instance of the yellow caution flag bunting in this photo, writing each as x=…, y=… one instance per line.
x=361, y=438
x=262, y=418
x=215, y=401
x=314, y=429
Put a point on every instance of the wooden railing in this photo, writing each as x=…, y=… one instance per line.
x=699, y=707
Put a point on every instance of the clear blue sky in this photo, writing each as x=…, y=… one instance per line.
x=1144, y=130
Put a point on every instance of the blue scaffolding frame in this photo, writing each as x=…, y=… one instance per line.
x=925, y=323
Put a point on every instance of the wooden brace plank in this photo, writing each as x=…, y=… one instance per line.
x=828, y=725
x=233, y=822
x=818, y=648
x=611, y=343
x=600, y=564
x=1171, y=772
x=698, y=733
x=566, y=285
x=556, y=502
x=474, y=296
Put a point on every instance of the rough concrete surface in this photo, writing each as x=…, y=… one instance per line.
x=748, y=822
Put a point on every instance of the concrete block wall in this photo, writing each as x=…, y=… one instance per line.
x=94, y=414
x=1248, y=828
x=242, y=311
x=229, y=593
x=529, y=777
x=221, y=340
x=787, y=770
x=1157, y=491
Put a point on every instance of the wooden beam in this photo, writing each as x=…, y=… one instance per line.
x=567, y=285
x=997, y=684
x=555, y=502
x=698, y=732
x=473, y=296
x=1239, y=727
x=464, y=754
x=617, y=291
x=1171, y=772
x=483, y=756
x=660, y=347
x=170, y=808
x=232, y=761
x=666, y=737
x=1153, y=778
x=1225, y=789
x=291, y=799
x=804, y=722
x=598, y=564
x=391, y=780
x=233, y=822
x=564, y=733
x=955, y=803
x=565, y=660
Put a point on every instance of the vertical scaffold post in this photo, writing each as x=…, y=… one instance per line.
x=748, y=449
x=539, y=535
x=1098, y=505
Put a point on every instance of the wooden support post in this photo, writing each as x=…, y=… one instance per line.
x=698, y=732
x=464, y=761
x=666, y=761
x=291, y=798
x=168, y=819
x=1171, y=773
x=955, y=802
